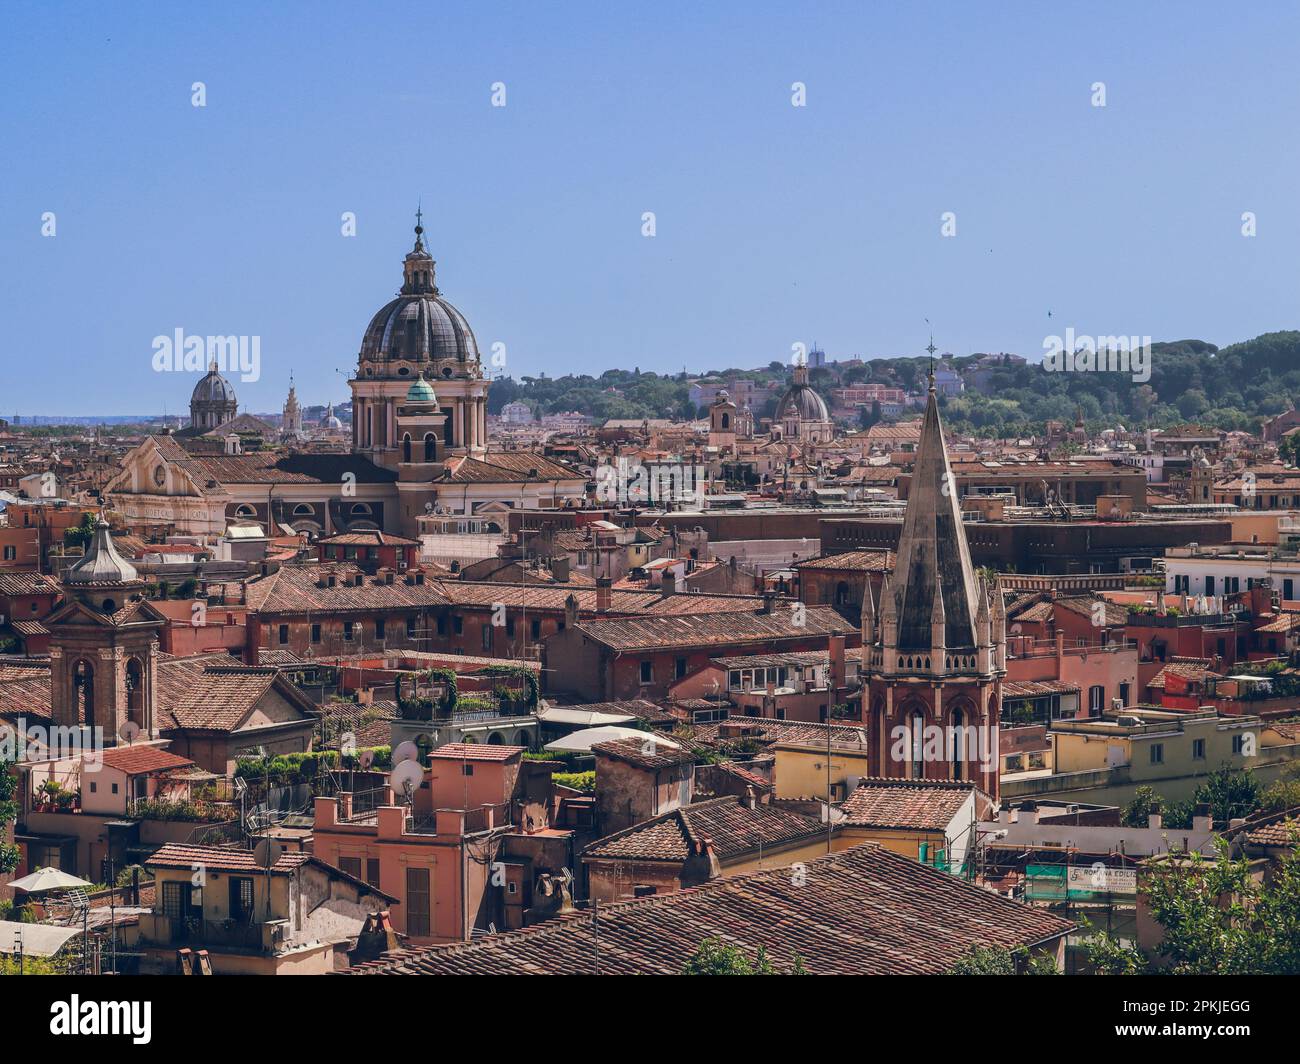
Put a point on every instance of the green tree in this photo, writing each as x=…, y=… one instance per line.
x=1145, y=802
x=715, y=958
x=80, y=534
x=1219, y=919
x=9, y=853
x=994, y=960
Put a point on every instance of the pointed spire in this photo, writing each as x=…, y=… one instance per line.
x=868, y=616
x=933, y=556
x=938, y=633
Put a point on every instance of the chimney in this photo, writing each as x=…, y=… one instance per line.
x=604, y=595
x=389, y=576
x=750, y=800
x=560, y=569
x=836, y=647
x=570, y=610
x=769, y=602
x=701, y=866
x=668, y=584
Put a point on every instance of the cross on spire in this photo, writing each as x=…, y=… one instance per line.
x=932, y=349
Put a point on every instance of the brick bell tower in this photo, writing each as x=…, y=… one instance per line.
x=104, y=648
x=934, y=645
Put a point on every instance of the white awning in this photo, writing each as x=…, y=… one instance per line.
x=35, y=940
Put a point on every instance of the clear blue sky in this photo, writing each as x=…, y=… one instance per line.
x=775, y=224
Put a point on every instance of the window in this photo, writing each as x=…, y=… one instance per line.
x=536, y=627
x=348, y=628
x=417, y=901
x=351, y=865
x=647, y=672
x=178, y=900
x=372, y=871
x=284, y=634
x=410, y=628
x=11, y=553
x=467, y=769
x=1198, y=749
x=1096, y=699
x=379, y=628
x=1238, y=744
x=1209, y=585
x=679, y=667
x=487, y=637
x=315, y=633
x=1123, y=693
x=1157, y=753
x=458, y=625
x=241, y=897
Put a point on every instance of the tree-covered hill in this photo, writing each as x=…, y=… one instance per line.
x=1234, y=387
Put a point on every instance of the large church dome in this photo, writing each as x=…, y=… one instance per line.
x=802, y=402
x=419, y=327
x=213, y=388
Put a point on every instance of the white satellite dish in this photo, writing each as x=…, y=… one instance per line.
x=129, y=731
x=406, y=777
x=406, y=751
x=366, y=758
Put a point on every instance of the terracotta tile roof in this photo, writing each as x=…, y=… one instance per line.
x=214, y=692
x=220, y=859
x=865, y=911
x=767, y=730
x=1194, y=669
x=511, y=467
x=267, y=467
x=734, y=829
x=1036, y=688
x=712, y=629
x=633, y=752
x=16, y=583
x=870, y=561
x=476, y=752
x=367, y=538
x=296, y=589
x=1280, y=833
x=136, y=760
x=918, y=805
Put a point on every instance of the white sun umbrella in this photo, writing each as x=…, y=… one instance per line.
x=581, y=742
x=44, y=880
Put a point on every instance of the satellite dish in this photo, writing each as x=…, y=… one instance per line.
x=367, y=758
x=266, y=853
x=406, y=751
x=129, y=731
x=406, y=777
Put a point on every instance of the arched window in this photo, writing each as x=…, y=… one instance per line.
x=245, y=510
x=360, y=509
x=917, y=737
x=430, y=447
x=304, y=510
x=842, y=594
x=957, y=746
x=726, y=421
x=406, y=447
x=135, y=691
x=83, y=692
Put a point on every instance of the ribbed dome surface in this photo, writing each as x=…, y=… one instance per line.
x=419, y=328
x=101, y=564
x=803, y=402
x=213, y=388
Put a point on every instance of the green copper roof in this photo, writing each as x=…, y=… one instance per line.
x=421, y=391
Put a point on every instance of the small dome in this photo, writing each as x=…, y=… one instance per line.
x=213, y=388
x=420, y=391
x=101, y=565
